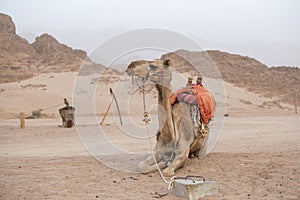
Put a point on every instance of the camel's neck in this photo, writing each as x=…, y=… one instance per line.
x=165, y=115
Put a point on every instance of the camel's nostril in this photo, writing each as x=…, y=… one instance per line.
x=128, y=71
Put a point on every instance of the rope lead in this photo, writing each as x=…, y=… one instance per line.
x=146, y=115
x=147, y=121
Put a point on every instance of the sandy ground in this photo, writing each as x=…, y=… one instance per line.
x=256, y=156
x=250, y=161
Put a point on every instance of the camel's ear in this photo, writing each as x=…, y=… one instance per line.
x=167, y=62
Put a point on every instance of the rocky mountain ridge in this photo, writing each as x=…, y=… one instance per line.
x=21, y=60
x=281, y=83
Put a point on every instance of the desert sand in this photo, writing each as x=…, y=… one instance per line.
x=255, y=157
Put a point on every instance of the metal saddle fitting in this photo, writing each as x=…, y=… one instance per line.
x=200, y=129
x=203, y=129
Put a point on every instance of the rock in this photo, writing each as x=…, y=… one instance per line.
x=20, y=60
x=61, y=57
x=7, y=24
x=17, y=58
x=272, y=104
x=80, y=53
x=245, y=72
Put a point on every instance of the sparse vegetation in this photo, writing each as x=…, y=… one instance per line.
x=245, y=102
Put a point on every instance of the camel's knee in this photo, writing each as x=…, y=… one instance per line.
x=169, y=172
x=147, y=167
x=176, y=164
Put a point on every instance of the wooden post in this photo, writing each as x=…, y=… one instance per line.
x=22, y=120
x=106, y=112
x=295, y=101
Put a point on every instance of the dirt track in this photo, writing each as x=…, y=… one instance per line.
x=248, y=162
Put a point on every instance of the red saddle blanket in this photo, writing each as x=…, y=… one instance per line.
x=206, y=102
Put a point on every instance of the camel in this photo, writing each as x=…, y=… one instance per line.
x=176, y=138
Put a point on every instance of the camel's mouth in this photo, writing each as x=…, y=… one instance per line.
x=138, y=80
x=138, y=83
x=134, y=75
x=130, y=72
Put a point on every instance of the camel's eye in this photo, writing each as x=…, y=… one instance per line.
x=153, y=67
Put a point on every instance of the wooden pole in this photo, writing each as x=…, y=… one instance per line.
x=22, y=120
x=106, y=112
x=295, y=101
x=117, y=105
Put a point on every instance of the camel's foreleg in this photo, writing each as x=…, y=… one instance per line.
x=196, y=146
x=161, y=157
x=149, y=165
x=152, y=162
x=177, y=163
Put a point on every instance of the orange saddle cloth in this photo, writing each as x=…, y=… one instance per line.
x=206, y=102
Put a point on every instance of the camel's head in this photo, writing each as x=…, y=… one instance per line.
x=156, y=71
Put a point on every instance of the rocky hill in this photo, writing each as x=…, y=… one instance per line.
x=54, y=54
x=6, y=24
x=281, y=83
x=20, y=60
x=15, y=52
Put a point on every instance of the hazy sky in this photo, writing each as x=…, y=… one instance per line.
x=267, y=30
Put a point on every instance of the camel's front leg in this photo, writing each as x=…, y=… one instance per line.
x=146, y=166
x=196, y=146
x=177, y=163
x=162, y=156
x=149, y=165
